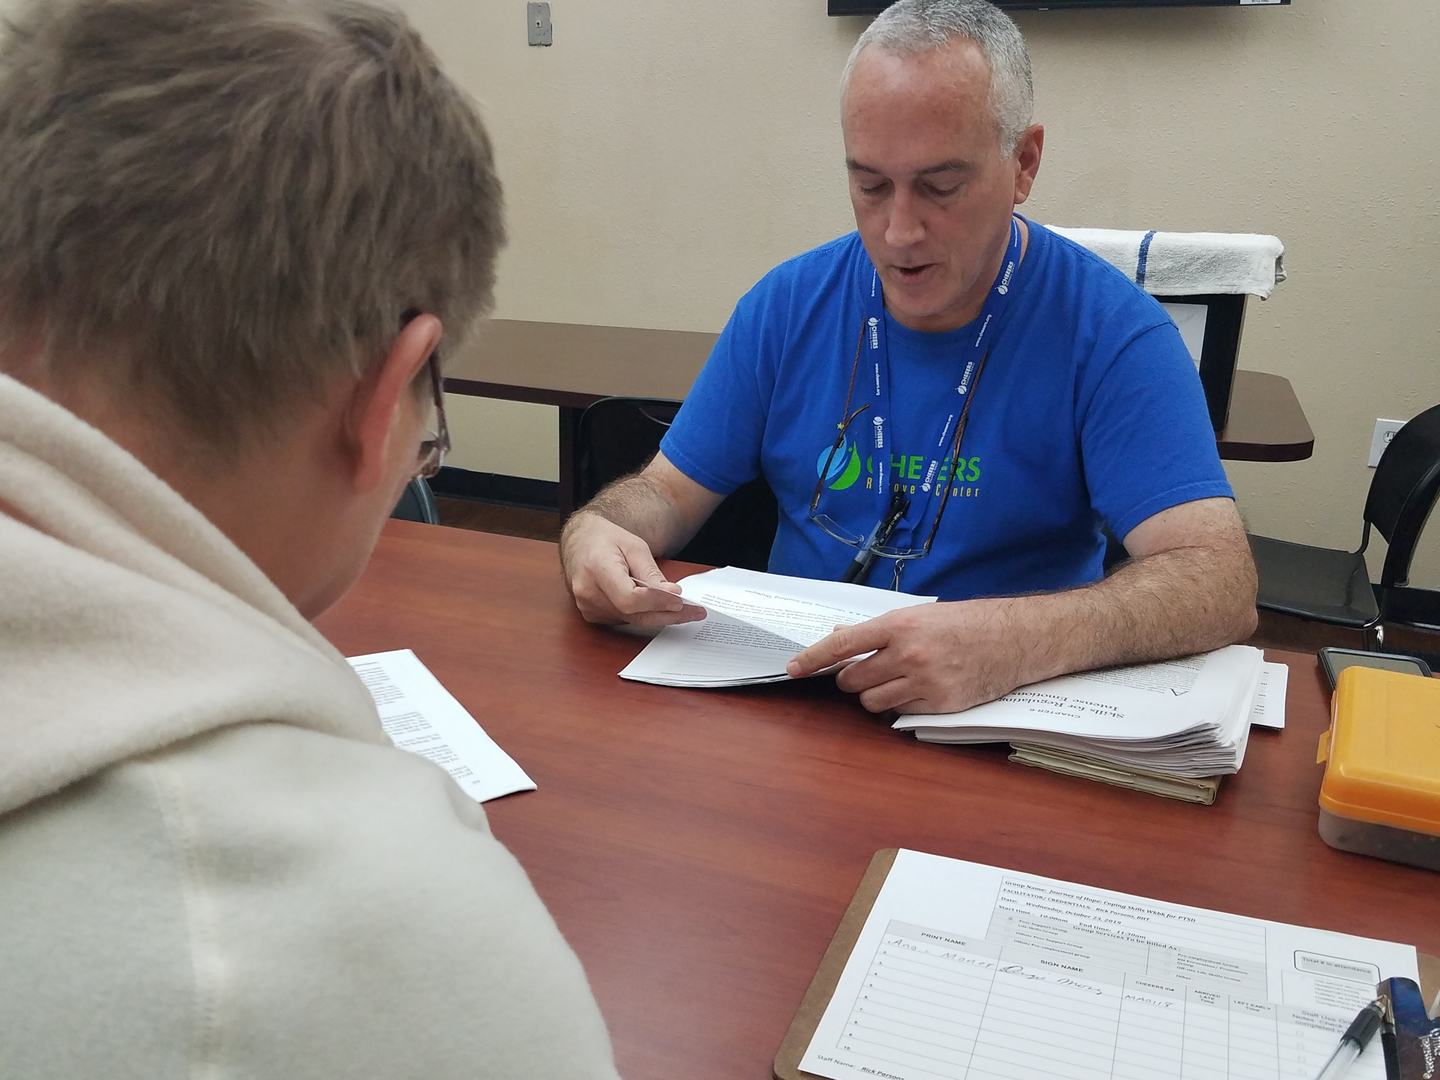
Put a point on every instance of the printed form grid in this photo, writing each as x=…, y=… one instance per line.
x=936, y=1004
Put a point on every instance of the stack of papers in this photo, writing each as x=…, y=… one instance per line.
x=1267, y=711
x=755, y=624
x=1194, y=789
x=1188, y=717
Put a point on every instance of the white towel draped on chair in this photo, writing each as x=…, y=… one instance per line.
x=1188, y=264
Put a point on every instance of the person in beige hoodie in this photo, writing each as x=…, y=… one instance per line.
x=231, y=235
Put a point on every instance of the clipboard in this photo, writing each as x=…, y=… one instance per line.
x=832, y=964
x=827, y=975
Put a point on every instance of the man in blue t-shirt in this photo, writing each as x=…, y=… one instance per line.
x=952, y=401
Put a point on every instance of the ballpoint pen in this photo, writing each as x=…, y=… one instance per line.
x=1361, y=1030
x=859, y=568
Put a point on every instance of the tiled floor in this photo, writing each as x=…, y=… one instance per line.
x=1276, y=631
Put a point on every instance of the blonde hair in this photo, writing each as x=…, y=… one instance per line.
x=225, y=204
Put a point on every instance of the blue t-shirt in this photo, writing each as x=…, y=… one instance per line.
x=1088, y=410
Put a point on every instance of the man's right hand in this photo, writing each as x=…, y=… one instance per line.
x=613, y=576
x=610, y=568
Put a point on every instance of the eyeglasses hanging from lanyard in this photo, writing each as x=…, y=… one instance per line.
x=894, y=503
x=877, y=543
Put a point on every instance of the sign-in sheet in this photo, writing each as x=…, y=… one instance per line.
x=965, y=972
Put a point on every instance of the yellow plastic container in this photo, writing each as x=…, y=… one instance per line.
x=1381, y=792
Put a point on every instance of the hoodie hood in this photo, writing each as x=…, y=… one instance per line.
x=128, y=621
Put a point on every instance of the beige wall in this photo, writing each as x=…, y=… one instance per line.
x=660, y=157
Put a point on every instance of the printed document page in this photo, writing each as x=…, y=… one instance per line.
x=1269, y=708
x=755, y=623
x=802, y=610
x=422, y=717
x=965, y=971
x=717, y=651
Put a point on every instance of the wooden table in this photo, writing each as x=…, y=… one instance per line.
x=1266, y=422
x=697, y=848
x=572, y=366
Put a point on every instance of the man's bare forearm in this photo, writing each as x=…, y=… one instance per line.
x=640, y=506
x=660, y=505
x=1173, y=603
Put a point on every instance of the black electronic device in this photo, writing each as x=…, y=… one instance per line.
x=1335, y=661
x=874, y=7
x=1221, y=317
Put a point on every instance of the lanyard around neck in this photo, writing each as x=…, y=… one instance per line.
x=875, y=353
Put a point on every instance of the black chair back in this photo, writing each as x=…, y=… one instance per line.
x=417, y=503
x=618, y=436
x=1403, y=492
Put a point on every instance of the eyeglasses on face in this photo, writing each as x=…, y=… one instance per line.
x=433, y=449
x=431, y=454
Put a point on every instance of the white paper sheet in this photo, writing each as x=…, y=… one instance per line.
x=1269, y=710
x=718, y=651
x=802, y=610
x=756, y=623
x=965, y=971
x=421, y=716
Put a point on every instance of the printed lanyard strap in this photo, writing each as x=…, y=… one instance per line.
x=873, y=348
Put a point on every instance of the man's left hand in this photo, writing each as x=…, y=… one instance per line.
x=1189, y=587
x=932, y=658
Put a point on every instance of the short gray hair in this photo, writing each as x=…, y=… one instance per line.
x=916, y=26
x=223, y=205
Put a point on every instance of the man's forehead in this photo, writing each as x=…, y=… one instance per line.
x=958, y=68
x=942, y=93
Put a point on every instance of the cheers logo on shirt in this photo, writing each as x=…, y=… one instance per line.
x=909, y=473
x=844, y=467
x=915, y=474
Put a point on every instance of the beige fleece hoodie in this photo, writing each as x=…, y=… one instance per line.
x=212, y=863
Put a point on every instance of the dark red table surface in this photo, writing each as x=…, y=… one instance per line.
x=697, y=848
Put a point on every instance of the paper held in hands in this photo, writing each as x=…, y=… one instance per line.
x=755, y=624
x=421, y=716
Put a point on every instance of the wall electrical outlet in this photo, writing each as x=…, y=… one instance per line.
x=1384, y=431
x=537, y=24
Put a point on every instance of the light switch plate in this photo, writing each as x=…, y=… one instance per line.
x=537, y=24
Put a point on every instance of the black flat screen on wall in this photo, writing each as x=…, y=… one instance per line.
x=874, y=7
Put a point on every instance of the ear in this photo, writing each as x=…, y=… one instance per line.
x=374, y=417
x=1027, y=160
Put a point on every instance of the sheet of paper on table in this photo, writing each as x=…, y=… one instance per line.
x=967, y=971
x=421, y=716
x=755, y=624
x=1269, y=708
